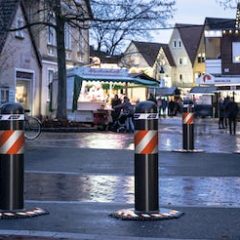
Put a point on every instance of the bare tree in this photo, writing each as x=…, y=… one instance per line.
x=127, y=19
x=56, y=14
x=116, y=21
x=228, y=3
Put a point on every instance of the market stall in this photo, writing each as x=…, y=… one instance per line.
x=90, y=90
x=204, y=100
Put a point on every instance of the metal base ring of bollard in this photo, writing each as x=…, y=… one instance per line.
x=132, y=215
x=188, y=151
x=22, y=213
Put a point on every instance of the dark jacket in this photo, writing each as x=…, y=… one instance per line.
x=232, y=109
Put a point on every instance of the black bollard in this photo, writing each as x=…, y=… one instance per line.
x=146, y=168
x=146, y=157
x=188, y=127
x=12, y=164
x=11, y=155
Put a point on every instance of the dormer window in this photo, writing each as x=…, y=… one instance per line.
x=19, y=24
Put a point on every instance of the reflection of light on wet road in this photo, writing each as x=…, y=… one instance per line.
x=207, y=137
x=178, y=191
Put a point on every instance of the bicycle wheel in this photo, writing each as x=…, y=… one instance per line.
x=32, y=127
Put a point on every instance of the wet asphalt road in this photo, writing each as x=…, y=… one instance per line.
x=98, y=167
x=82, y=177
x=207, y=137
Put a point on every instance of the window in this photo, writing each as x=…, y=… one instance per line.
x=174, y=43
x=201, y=58
x=180, y=77
x=183, y=61
x=50, y=80
x=51, y=36
x=68, y=37
x=4, y=95
x=236, y=52
x=177, y=43
x=19, y=24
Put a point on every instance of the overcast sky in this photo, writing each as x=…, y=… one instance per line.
x=194, y=12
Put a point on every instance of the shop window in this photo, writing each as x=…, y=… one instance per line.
x=236, y=52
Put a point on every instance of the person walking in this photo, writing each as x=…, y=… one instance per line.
x=164, y=107
x=159, y=104
x=221, y=114
x=225, y=117
x=232, y=112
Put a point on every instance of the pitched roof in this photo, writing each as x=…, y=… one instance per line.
x=168, y=54
x=104, y=57
x=220, y=23
x=8, y=10
x=148, y=50
x=191, y=36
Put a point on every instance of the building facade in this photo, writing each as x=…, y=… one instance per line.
x=184, y=45
x=76, y=48
x=222, y=45
x=20, y=63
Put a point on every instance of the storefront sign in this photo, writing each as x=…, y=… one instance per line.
x=92, y=73
x=209, y=79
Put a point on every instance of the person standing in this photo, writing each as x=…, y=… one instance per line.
x=128, y=111
x=152, y=98
x=232, y=112
x=116, y=111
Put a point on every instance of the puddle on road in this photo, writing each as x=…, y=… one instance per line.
x=178, y=191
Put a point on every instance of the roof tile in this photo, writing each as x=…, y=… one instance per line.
x=8, y=10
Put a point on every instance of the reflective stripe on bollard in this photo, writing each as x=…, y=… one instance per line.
x=12, y=163
x=188, y=128
x=146, y=169
x=12, y=157
x=146, y=157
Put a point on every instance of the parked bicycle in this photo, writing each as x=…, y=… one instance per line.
x=32, y=126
